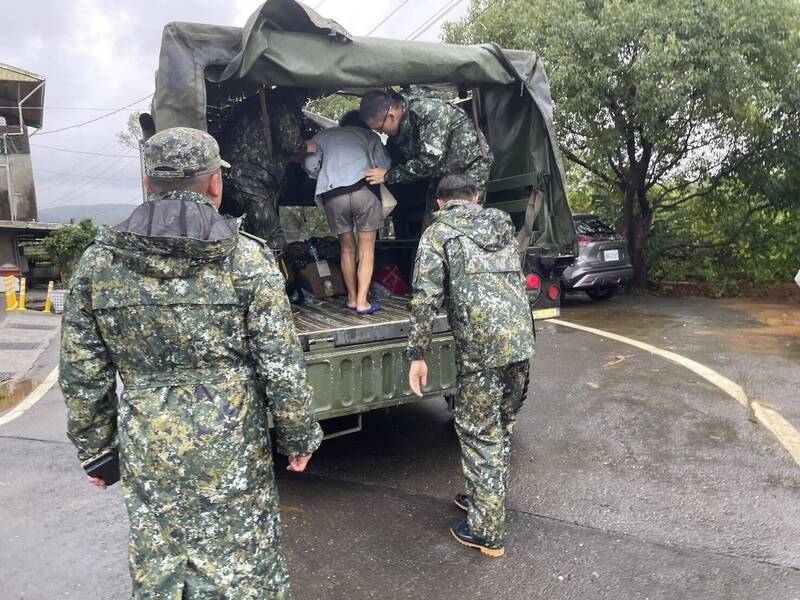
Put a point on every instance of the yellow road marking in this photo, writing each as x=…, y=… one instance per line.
x=780, y=428
x=734, y=390
x=32, y=399
x=784, y=431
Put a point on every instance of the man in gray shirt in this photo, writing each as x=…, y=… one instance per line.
x=344, y=155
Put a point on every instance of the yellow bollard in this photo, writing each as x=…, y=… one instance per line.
x=11, y=294
x=21, y=306
x=48, y=304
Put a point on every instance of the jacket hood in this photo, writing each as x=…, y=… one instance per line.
x=171, y=235
x=489, y=228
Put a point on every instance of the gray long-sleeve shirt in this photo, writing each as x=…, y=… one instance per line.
x=345, y=154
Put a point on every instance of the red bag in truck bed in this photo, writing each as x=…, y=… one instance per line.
x=392, y=279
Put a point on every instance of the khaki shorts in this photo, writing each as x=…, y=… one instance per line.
x=360, y=208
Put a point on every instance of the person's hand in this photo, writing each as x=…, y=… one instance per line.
x=96, y=481
x=418, y=376
x=312, y=147
x=376, y=176
x=298, y=463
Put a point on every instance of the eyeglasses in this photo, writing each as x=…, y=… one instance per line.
x=383, y=123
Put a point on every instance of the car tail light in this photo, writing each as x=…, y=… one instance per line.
x=554, y=292
x=583, y=240
x=533, y=282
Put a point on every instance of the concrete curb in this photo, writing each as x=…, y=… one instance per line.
x=24, y=336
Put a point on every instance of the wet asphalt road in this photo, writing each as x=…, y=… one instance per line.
x=632, y=479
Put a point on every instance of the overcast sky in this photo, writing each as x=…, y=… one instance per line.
x=102, y=54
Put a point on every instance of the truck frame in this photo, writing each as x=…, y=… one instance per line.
x=357, y=364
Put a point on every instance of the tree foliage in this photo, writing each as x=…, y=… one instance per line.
x=132, y=135
x=334, y=106
x=698, y=246
x=662, y=102
x=64, y=246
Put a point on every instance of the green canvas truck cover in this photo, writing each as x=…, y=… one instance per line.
x=285, y=43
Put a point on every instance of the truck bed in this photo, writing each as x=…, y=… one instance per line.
x=325, y=321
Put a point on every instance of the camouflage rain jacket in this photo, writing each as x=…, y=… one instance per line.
x=469, y=258
x=195, y=320
x=257, y=177
x=437, y=139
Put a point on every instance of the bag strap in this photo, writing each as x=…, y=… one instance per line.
x=531, y=213
x=370, y=154
x=476, y=100
x=262, y=96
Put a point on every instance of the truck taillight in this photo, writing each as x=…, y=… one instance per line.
x=554, y=292
x=533, y=282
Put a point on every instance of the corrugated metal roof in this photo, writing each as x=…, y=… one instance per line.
x=29, y=226
x=16, y=84
x=9, y=73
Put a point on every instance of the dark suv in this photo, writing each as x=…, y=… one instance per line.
x=603, y=263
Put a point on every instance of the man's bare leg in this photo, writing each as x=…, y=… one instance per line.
x=347, y=242
x=366, y=263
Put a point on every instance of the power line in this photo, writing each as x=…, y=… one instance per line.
x=390, y=15
x=113, y=112
x=433, y=20
x=480, y=14
x=58, y=108
x=73, y=193
x=89, y=185
x=98, y=169
x=82, y=165
x=81, y=152
x=85, y=166
x=37, y=170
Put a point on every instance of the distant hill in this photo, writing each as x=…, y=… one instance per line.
x=101, y=214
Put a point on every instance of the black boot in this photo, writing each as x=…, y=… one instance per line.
x=463, y=535
x=463, y=501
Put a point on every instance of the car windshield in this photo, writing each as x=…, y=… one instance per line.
x=591, y=225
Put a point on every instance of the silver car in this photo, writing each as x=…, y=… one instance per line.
x=603, y=263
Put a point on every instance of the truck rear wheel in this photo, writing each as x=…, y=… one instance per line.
x=602, y=293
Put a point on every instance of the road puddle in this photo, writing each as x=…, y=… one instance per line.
x=12, y=392
x=774, y=332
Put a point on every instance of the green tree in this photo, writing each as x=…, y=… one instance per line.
x=64, y=246
x=132, y=135
x=334, y=106
x=662, y=102
x=727, y=237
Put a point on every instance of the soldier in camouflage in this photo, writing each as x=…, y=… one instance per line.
x=261, y=142
x=434, y=138
x=194, y=318
x=469, y=258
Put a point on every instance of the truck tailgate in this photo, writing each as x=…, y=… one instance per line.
x=325, y=321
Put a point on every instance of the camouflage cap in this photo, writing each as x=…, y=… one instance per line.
x=181, y=152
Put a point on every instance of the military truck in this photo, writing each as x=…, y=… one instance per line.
x=357, y=364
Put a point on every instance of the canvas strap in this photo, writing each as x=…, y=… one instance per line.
x=262, y=95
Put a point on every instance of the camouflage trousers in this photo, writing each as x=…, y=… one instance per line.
x=258, y=201
x=485, y=412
